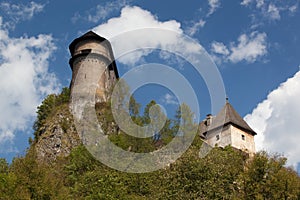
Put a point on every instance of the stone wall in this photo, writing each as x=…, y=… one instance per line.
x=223, y=135
x=92, y=74
x=231, y=135
x=242, y=140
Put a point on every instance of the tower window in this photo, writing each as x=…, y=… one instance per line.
x=218, y=137
x=243, y=137
x=87, y=51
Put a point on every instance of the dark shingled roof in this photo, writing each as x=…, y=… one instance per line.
x=226, y=116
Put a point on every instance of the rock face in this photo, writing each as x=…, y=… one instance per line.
x=58, y=136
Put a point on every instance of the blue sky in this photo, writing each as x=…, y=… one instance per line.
x=254, y=43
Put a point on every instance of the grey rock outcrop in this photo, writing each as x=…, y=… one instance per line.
x=58, y=137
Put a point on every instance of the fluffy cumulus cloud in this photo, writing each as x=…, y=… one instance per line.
x=137, y=35
x=276, y=120
x=24, y=81
x=248, y=48
x=270, y=9
x=132, y=30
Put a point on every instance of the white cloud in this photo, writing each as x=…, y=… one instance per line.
x=293, y=8
x=269, y=9
x=196, y=25
x=200, y=21
x=248, y=48
x=214, y=5
x=24, y=80
x=260, y=3
x=20, y=12
x=276, y=120
x=135, y=18
x=273, y=12
x=101, y=12
x=169, y=99
x=219, y=48
x=137, y=33
x=246, y=2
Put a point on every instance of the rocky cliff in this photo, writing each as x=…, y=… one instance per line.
x=58, y=136
x=55, y=132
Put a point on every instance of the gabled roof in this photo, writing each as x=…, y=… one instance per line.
x=226, y=116
x=86, y=36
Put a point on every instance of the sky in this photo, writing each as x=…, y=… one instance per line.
x=254, y=45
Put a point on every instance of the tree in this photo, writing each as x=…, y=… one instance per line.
x=3, y=166
x=47, y=108
x=134, y=107
x=266, y=177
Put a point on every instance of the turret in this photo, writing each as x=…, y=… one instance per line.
x=92, y=62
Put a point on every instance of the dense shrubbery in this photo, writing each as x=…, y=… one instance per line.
x=223, y=174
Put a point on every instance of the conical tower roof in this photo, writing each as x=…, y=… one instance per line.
x=226, y=116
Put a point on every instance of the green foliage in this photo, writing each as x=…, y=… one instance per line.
x=3, y=166
x=266, y=177
x=134, y=107
x=29, y=179
x=225, y=173
x=220, y=175
x=47, y=108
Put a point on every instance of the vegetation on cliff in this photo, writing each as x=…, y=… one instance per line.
x=223, y=174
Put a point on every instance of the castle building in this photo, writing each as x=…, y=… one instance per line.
x=228, y=128
x=92, y=62
x=93, y=66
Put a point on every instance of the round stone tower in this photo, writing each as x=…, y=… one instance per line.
x=93, y=67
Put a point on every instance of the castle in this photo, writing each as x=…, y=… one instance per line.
x=92, y=59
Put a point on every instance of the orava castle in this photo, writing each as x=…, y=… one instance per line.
x=92, y=56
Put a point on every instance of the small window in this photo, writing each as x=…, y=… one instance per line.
x=86, y=51
x=218, y=137
x=243, y=137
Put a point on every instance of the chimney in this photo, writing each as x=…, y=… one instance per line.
x=208, y=119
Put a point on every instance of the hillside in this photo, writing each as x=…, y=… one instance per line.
x=57, y=166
